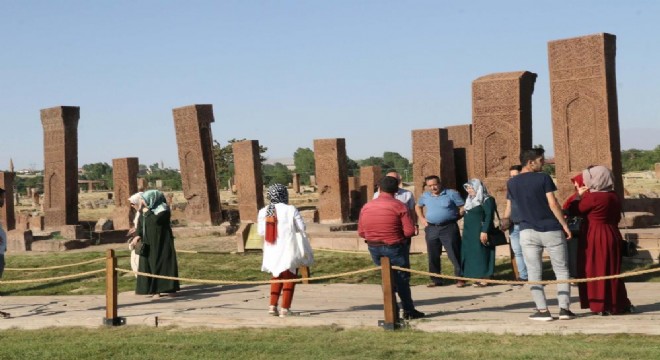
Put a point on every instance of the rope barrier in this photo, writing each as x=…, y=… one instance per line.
x=513, y=282
x=256, y=282
x=206, y=252
x=63, y=277
x=56, y=267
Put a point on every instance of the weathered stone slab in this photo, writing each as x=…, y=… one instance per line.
x=433, y=154
x=249, y=179
x=195, y=143
x=501, y=127
x=124, y=178
x=461, y=138
x=332, y=178
x=7, y=216
x=369, y=178
x=585, y=119
x=60, y=126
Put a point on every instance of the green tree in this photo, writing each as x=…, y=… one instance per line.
x=277, y=173
x=352, y=167
x=303, y=160
x=224, y=159
x=171, y=178
x=98, y=171
x=640, y=160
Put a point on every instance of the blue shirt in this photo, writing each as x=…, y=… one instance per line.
x=442, y=208
x=527, y=191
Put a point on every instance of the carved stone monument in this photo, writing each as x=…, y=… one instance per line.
x=501, y=127
x=369, y=178
x=142, y=184
x=657, y=170
x=249, y=180
x=332, y=179
x=7, y=216
x=461, y=138
x=60, y=125
x=433, y=154
x=354, y=197
x=585, y=119
x=124, y=178
x=195, y=142
x=295, y=183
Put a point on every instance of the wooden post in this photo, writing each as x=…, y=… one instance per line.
x=304, y=273
x=389, y=300
x=111, y=317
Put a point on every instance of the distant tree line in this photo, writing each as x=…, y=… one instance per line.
x=640, y=160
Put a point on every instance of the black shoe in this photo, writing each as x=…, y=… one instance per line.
x=541, y=316
x=414, y=314
x=565, y=314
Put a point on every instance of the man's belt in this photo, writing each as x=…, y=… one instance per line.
x=441, y=224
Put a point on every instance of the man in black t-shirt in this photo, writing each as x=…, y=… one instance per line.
x=542, y=226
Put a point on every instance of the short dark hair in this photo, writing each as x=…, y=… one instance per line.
x=389, y=184
x=516, y=167
x=530, y=155
x=432, y=177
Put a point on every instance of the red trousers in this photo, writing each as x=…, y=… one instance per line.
x=286, y=289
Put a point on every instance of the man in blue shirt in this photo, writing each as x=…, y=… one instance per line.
x=443, y=208
x=542, y=226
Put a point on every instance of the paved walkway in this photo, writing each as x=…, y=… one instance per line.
x=496, y=309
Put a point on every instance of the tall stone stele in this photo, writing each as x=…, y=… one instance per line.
x=585, y=117
x=332, y=180
x=60, y=126
x=7, y=216
x=249, y=180
x=195, y=142
x=501, y=127
x=433, y=154
x=124, y=179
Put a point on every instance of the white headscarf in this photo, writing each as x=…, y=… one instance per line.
x=135, y=200
x=481, y=194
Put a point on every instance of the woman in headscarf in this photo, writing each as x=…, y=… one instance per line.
x=280, y=224
x=155, y=231
x=477, y=257
x=575, y=245
x=601, y=207
x=136, y=203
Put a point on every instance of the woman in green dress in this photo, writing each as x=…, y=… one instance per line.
x=477, y=259
x=155, y=231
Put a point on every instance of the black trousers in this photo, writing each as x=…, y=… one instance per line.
x=449, y=237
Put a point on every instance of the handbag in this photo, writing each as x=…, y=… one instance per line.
x=142, y=249
x=628, y=247
x=304, y=252
x=496, y=236
x=574, y=224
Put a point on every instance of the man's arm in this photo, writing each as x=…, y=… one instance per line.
x=420, y=215
x=505, y=222
x=556, y=210
x=407, y=223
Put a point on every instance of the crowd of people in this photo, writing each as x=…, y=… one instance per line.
x=581, y=237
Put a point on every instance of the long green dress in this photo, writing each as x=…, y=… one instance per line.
x=477, y=260
x=161, y=259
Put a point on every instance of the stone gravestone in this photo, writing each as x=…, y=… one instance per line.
x=36, y=201
x=312, y=180
x=461, y=138
x=657, y=170
x=195, y=142
x=332, y=179
x=60, y=125
x=296, y=183
x=501, y=127
x=354, y=198
x=159, y=184
x=369, y=178
x=433, y=154
x=142, y=184
x=7, y=216
x=248, y=177
x=124, y=178
x=585, y=119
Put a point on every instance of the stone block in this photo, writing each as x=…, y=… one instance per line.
x=433, y=154
x=332, y=177
x=19, y=240
x=249, y=179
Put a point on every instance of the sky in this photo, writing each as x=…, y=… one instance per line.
x=288, y=72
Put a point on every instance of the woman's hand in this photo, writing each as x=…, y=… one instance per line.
x=483, y=237
x=135, y=241
x=582, y=190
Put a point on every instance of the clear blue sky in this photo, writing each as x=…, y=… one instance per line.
x=288, y=72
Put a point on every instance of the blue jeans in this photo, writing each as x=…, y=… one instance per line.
x=554, y=242
x=514, y=235
x=398, y=257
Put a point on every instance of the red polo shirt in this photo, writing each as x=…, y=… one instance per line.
x=385, y=220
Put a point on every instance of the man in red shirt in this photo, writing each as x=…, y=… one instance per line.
x=385, y=223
